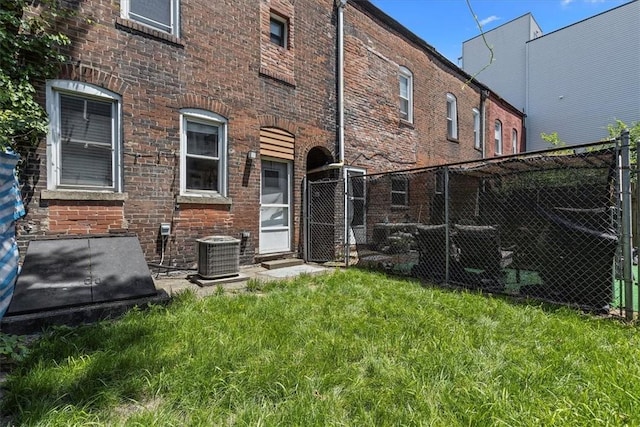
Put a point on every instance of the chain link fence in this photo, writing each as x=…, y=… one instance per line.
x=548, y=226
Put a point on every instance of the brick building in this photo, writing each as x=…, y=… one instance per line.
x=208, y=119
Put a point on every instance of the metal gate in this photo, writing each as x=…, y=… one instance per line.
x=324, y=220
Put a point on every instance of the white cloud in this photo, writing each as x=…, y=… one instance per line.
x=488, y=20
x=565, y=3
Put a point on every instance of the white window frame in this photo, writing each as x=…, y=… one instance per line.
x=476, y=129
x=404, y=191
x=406, y=75
x=497, y=136
x=212, y=119
x=173, y=28
x=285, y=26
x=54, y=161
x=514, y=141
x=452, y=116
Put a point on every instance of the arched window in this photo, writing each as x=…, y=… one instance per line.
x=83, y=149
x=406, y=94
x=498, y=137
x=476, y=128
x=452, y=117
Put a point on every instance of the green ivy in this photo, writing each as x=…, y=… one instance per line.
x=29, y=54
x=13, y=347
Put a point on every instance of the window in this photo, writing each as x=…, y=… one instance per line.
x=203, y=148
x=476, y=128
x=498, y=137
x=278, y=30
x=406, y=94
x=399, y=191
x=159, y=14
x=514, y=141
x=83, y=144
x=452, y=117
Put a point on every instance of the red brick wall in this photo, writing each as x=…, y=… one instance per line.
x=376, y=137
x=220, y=62
x=498, y=110
x=73, y=217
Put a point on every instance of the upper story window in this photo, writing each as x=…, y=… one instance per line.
x=476, y=128
x=399, y=190
x=514, y=141
x=452, y=117
x=83, y=143
x=406, y=94
x=278, y=30
x=498, y=137
x=159, y=14
x=203, y=153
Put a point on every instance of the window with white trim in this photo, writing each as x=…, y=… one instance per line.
x=514, y=141
x=83, y=143
x=162, y=15
x=406, y=94
x=476, y=128
x=498, y=137
x=399, y=190
x=203, y=153
x=452, y=117
x=278, y=30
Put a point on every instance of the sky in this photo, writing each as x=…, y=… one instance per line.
x=445, y=24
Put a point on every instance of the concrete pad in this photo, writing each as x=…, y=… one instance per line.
x=281, y=263
x=296, y=270
x=215, y=282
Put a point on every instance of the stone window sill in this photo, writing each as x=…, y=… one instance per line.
x=137, y=28
x=204, y=200
x=95, y=196
x=290, y=81
x=407, y=124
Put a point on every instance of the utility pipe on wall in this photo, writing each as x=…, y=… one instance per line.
x=341, y=5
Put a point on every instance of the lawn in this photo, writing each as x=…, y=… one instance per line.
x=349, y=348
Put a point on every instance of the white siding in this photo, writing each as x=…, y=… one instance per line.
x=505, y=75
x=583, y=77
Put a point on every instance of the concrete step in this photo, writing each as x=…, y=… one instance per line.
x=281, y=263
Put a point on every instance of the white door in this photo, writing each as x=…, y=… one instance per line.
x=275, y=206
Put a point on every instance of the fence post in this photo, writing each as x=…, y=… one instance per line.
x=627, y=265
x=305, y=220
x=637, y=208
x=345, y=229
x=446, y=225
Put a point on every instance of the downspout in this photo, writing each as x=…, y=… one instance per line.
x=340, y=164
x=341, y=5
x=484, y=94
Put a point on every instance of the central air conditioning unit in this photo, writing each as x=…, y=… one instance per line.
x=218, y=256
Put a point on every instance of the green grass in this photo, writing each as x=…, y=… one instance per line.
x=350, y=348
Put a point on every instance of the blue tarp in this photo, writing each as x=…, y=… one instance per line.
x=11, y=209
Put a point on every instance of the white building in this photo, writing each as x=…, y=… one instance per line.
x=574, y=81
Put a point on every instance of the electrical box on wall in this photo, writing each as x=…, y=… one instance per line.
x=165, y=229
